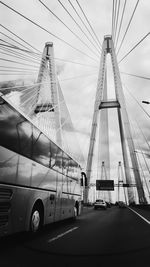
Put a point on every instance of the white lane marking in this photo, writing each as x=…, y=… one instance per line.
x=140, y=215
x=59, y=236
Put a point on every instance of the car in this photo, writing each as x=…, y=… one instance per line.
x=100, y=203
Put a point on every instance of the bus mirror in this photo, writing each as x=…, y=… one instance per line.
x=81, y=181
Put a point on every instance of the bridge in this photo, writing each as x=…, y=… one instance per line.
x=79, y=91
x=42, y=99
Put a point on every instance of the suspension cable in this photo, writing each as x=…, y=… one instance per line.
x=68, y=27
x=15, y=47
x=145, y=139
x=143, y=158
x=59, y=59
x=137, y=76
x=75, y=22
x=22, y=58
x=116, y=25
x=137, y=102
x=99, y=48
x=13, y=61
x=6, y=67
x=112, y=20
x=19, y=55
x=18, y=71
x=50, y=33
x=143, y=173
x=17, y=74
x=123, y=11
x=19, y=38
x=143, y=38
x=89, y=23
x=14, y=40
x=128, y=26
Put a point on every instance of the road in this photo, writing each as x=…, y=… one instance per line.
x=112, y=237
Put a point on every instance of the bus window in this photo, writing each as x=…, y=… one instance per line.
x=40, y=148
x=73, y=169
x=24, y=132
x=65, y=163
x=53, y=155
x=70, y=168
x=9, y=118
x=58, y=161
x=16, y=131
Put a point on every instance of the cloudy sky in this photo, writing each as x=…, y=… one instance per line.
x=78, y=81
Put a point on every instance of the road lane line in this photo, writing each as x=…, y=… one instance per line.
x=140, y=215
x=61, y=235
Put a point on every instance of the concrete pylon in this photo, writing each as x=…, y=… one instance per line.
x=103, y=144
x=124, y=125
x=47, y=77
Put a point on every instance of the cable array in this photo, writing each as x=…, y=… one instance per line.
x=128, y=26
x=132, y=49
x=69, y=27
x=120, y=25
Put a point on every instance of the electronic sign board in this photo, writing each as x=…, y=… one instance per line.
x=105, y=185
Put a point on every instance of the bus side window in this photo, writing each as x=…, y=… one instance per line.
x=40, y=148
x=75, y=170
x=58, y=160
x=52, y=155
x=10, y=133
x=70, y=168
x=65, y=163
x=25, y=132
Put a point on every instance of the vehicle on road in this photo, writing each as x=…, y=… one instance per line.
x=100, y=203
x=39, y=182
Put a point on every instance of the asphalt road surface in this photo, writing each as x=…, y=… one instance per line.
x=112, y=237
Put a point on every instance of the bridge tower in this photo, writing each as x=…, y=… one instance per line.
x=103, y=169
x=47, y=81
x=121, y=183
x=124, y=125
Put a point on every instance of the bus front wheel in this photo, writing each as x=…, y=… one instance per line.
x=36, y=219
x=75, y=212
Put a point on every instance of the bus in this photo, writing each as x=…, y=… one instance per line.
x=39, y=182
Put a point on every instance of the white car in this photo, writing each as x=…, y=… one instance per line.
x=100, y=203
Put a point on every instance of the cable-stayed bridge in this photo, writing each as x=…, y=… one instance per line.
x=43, y=102
x=74, y=132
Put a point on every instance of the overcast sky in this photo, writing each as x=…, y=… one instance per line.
x=79, y=92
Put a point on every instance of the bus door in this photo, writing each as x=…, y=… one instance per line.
x=51, y=206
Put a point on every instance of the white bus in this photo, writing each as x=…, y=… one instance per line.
x=39, y=182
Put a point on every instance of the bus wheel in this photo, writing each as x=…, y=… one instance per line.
x=75, y=212
x=36, y=219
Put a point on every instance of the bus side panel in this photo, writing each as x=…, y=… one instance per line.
x=13, y=201
x=8, y=165
x=45, y=179
x=28, y=182
x=68, y=201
